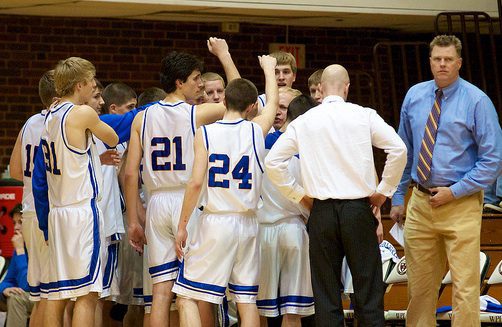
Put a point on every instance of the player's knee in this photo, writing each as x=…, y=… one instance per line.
x=183, y=303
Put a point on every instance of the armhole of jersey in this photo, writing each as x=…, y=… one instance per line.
x=205, y=138
x=143, y=127
x=262, y=101
x=24, y=129
x=192, y=118
x=254, y=148
x=63, y=135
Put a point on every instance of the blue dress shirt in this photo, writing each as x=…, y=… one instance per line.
x=468, y=151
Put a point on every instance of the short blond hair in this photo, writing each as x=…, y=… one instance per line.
x=210, y=76
x=71, y=71
x=446, y=41
x=285, y=58
x=293, y=92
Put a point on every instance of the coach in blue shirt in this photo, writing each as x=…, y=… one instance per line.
x=454, y=145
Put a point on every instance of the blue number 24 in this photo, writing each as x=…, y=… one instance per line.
x=240, y=171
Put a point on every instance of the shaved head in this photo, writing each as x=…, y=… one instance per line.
x=335, y=81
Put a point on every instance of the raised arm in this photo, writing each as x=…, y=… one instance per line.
x=266, y=118
x=135, y=228
x=219, y=48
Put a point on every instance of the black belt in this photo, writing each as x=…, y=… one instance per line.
x=424, y=189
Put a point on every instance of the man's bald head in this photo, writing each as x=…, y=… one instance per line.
x=335, y=81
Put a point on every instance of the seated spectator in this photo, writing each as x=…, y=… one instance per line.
x=14, y=287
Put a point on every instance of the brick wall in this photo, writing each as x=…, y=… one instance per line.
x=130, y=51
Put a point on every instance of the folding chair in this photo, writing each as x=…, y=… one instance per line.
x=484, y=263
x=387, y=267
x=397, y=274
x=495, y=278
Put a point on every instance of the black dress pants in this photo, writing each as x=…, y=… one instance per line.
x=339, y=228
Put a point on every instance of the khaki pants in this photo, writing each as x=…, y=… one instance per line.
x=18, y=310
x=433, y=235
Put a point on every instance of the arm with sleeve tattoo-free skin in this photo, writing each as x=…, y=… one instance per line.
x=134, y=153
x=266, y=118
x=219, y=48
x=192, y=191
x=15, y=163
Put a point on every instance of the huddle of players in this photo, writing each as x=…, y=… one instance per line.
x=184, y=151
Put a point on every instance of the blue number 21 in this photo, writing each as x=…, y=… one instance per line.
x=240, y=171
x=166, y=152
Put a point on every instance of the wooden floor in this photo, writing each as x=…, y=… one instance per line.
x=491, y=244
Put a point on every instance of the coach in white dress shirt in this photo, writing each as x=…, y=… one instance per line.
x=334, y=141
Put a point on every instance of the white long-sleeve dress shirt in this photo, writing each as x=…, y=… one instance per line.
x=334, y=141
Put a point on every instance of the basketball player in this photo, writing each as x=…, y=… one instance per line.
x=67, y=173
x=285, y=285
x=163, y=136
x=21, y=168
x=285, y=73
x=119, y=99
x=224, y=250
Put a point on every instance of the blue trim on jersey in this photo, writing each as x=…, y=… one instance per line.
x=56, y=109
x=192, y=119
x=243, y=290
x=137, y=293
x=296, y=300
x=224, y=312
x=165, y=104
x=40, y=190
x=164, y=269
x=143, y=129
x=34, y=290
x=115, y=237
x=63, y=133
x=261, y=100
x=95, y=264
x=254, y=147
x=147, y=299
x=230, y=123
x=285, y=301
x=199, y=287
x=205, y=134
x=111, y=265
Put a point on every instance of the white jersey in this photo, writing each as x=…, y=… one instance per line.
x=275, y=205
x=262, y=100
x=30, y=140
x=112, y=202
x=167, y=136
x=73, y=175
x=236, y=149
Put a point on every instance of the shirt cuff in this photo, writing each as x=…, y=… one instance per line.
x=398, y=200
x=457, y=190
x=296, y=194
x=386, y=189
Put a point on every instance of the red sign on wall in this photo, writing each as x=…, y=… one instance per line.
x=10, y=196
x=297, y=50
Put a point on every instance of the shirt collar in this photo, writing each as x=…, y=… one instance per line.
x=450, y=89
x=333, y=98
